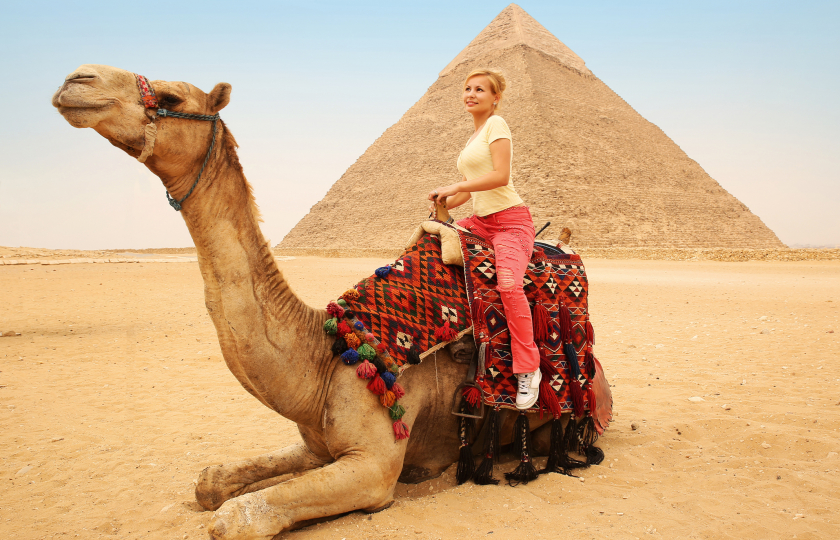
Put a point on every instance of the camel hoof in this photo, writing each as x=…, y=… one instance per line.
x=212, y=489
x=248, y=517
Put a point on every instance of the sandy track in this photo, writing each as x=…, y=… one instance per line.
x=114, y=397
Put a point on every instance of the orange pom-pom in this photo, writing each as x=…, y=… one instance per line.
x=350, y=295
x=387, y=399
x=352, y=340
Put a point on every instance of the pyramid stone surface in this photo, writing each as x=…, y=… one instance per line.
x=583, y=158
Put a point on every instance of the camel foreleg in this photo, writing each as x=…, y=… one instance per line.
x=354, y=482
x=219, y=483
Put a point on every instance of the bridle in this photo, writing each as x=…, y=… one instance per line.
x=147, y=93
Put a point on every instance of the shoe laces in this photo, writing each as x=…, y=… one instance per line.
x=525, y=383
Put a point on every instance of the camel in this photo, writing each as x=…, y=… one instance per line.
x=272, y=342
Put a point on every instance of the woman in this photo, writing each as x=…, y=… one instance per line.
x=499, y=216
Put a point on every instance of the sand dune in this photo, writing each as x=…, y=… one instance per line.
x=115, y=396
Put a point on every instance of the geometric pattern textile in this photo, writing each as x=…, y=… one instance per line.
x=554, y=281
x=418, y=295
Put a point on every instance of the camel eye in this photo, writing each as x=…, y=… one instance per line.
x=169, y=101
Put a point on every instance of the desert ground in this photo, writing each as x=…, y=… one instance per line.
x=114, y=396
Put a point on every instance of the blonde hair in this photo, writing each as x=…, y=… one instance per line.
x=497, y=82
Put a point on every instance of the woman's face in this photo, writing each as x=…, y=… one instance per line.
x=478, y=95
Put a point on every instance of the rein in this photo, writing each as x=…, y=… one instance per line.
x=147, y=93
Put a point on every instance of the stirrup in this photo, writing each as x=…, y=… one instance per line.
x=456, y=402
x=469, y=382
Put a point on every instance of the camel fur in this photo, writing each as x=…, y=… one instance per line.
x=272, y=342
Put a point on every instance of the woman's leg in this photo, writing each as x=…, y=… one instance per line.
x=512, y=256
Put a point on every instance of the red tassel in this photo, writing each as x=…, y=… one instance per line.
x=400, y=430
x=471, y=395
x=381, y=348
x=548, y=399
x=545, y=366
x=377, y=385
x=590, y=395
x=335, y=310
x=577, y=397
x=590, y=333
x=477, y=311
x=446, y=333
x=565, y=324
x=540, y=320
x=343, y=329
x=366, y=370
x=397, y=390
x=589, y=362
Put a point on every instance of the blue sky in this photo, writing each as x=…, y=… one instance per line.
x=746, y=88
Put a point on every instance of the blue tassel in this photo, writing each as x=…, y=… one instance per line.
x=382, y=271
x=359, y=325
x=571, y=358
x=389, y=379
x=350, y=357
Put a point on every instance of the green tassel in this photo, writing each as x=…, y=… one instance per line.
x=341, y=302
x=366, y=352
x=397, y=411
x=331, y=326
x=395, y=369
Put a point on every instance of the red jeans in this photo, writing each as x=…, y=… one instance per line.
x=511, y=232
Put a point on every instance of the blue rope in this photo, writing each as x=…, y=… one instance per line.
x=167, y=113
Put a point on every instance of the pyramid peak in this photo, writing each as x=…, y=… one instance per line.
x=512, y=27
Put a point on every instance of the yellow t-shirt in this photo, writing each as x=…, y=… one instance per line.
x=475, y=161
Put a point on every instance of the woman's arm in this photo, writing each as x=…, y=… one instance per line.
x=498, y=177
x=454, y=201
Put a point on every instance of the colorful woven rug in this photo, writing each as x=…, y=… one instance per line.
x=417, y=296
x=557, y=286
x=417, y=304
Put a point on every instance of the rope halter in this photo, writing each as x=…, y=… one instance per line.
x=150, y=101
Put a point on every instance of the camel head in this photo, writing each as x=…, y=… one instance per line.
x=108, y=100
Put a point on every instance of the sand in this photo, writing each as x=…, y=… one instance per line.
x=114, y=397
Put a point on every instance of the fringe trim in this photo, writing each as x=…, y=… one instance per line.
x=525, y=471
x=484, y=474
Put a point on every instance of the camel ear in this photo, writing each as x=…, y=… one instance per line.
x=219, y=97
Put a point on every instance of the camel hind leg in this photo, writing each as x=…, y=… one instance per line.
x=354, y=482
x=219, y=483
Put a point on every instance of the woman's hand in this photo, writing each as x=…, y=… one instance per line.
x=440, y=194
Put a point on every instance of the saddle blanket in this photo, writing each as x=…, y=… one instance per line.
x=418, y=304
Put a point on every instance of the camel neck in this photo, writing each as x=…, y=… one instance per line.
x=272, y=341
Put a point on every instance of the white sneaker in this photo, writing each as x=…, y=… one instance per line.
x=529, y=389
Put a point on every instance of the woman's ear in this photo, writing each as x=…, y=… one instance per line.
x=219, y=97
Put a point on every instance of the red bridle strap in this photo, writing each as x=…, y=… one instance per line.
x=146, y=92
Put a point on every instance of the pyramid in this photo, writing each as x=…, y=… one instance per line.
x=583, y=159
